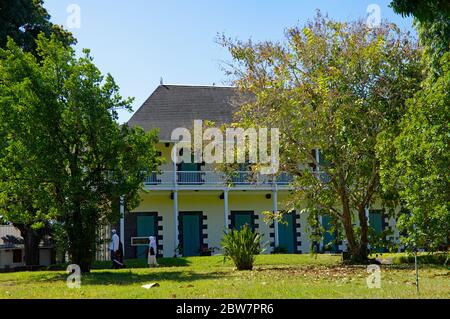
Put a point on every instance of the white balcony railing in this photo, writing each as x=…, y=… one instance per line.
x=213, y=178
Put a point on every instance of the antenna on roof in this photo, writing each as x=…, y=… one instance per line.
x=161, y=82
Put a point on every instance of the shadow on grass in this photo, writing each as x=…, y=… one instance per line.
x=142, y=263
x=130, y=278
x=130, y=264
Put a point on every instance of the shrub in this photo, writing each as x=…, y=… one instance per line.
x=439, y=258
x=242, y=246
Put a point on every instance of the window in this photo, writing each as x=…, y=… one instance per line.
x=239, y=219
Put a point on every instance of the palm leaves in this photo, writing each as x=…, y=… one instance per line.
x=242, y=246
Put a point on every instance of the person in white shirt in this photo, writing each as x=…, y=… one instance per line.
x=114, y=247
x=152, y=251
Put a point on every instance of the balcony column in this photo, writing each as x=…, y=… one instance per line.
x=317, y=154
x=175, y=199
x=175, y=218
x=275, y=210
x=122, y=222
x=225, y=209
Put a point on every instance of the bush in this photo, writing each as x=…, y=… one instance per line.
x=242, y=246
x=440, y=258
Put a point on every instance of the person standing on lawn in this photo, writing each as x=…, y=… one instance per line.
x=152, y=250
x=114, y=248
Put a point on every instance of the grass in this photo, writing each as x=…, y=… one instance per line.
x=274, y=276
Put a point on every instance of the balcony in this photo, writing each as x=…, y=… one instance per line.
x=167, y=180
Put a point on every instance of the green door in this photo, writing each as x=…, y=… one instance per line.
x=286, y=233
x=146, y=226
x=376, y=223
x=189, y=173
x=329, y=238
x=191, y=239
x=240, y=219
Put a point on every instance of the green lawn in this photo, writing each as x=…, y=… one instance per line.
x=275, y=276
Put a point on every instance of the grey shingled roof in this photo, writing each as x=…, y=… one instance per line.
x=172, y=106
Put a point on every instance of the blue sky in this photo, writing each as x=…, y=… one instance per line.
x=140, y=41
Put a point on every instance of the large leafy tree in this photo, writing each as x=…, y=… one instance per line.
x=60, y=135
x=415, y=157
x=23, y=20
x=334, y=87
x=415, y=164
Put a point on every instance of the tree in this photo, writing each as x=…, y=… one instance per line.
x=61, y=112
x=419, y=169
x=414, y=159
x=23, y=20
x=432, y=21
x=332, y=87
x=19, y=195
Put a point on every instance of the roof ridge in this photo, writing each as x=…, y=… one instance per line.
x=199, y=86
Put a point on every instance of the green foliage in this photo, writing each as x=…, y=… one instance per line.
x=416, y=164
x=23, y=20
x=432, y=21
x=414, y=159
x=334, y=87
x=242, y=246
x=424, y=259
x=421, y=9
x=64, y=156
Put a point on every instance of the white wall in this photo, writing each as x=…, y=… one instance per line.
x=6, y=259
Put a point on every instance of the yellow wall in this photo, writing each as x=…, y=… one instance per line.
x=211, y=205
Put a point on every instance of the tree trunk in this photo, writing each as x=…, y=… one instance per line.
x=357, y=248
x=364, y=242
x=79, y=256
x=31, y=238
x=80, y=252
x=348, y=228
x=82, y=241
